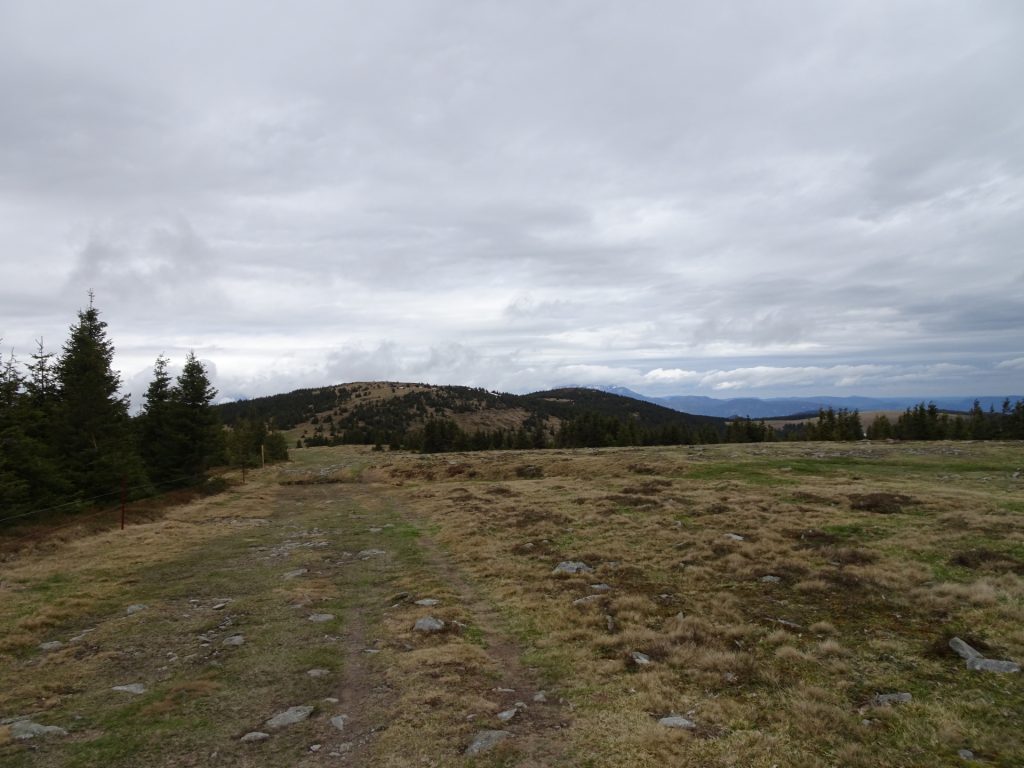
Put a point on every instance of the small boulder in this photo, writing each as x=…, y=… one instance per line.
x=963, y=650
x=428, y=625
x=485, y=741
x=295, y=574
x=254, y=736
x=136, y=689
x=53, y=645
x=508, y=714
x=133, y=609
x=22, y=730
x=640, y=659
x=320, y=618
x=572, y=567
x=734, y=537
x=338, y=721
x=540, y=697
x=677, y=721
x=769, y=579
x=318, y=672
x=993, y=665
x=428, y=602
x=290, y=716
x=234, y=640
x=586, y=600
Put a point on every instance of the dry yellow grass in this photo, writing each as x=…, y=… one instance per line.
x=772, y=601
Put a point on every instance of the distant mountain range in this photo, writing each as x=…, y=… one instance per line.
x=776, y=407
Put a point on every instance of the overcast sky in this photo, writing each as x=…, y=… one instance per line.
x=720, y=198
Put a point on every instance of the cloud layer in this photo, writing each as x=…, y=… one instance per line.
x=754, y=198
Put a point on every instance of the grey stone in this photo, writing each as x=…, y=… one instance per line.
x=734, y=537
x=965, y=651
x=572, y=566
x=134, y=688
x=318, y=672
x=485, y=741
x=640, y=659
x=600, y=587
x=508, y=714
x=296, y=573
x=339, y=721
x=888, y=699
x=676, y=721
x=132, y=609
x=965, y=754
x=993, y=665
x=220, y=606
x=253, y=736
x=428, y=602
x=290, y=716
x=315, y=747
x=53, y=645
x=320, y=618
x=428, y=624
x=22, y=730
x=365, y=553
x=587, y=600
x=540, y=697
x=234, y=640
x=769, y=579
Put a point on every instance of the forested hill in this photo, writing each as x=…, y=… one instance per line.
x=388, y=412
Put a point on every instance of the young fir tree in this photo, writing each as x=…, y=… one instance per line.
x=197, y=430
x=91, y=426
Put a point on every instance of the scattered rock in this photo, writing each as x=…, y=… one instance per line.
x=290, y=716
x=587, y=600
x=609, y=622
x=234, y=640
x=993, y=665
x=367, y=553
x=314, y=747
x=600, y=587
x=888, y=699
x=963, y=650
x=428, y=602
x=401, y=597
x=540, y=697
x=338, y=721
x=252, y=736
x=53, y=645
x=320, y=618
x=485, y=741
x=975, y=661
x=508, y=714
x=220, y=606
x=134, y=688
x=318, y=672
x=571, y=567
x=22, y=730
x=640, y=659
x=769, y=579
x=81, y=637
x=965, y=754
x=132, y=609
x=428, y=624
x=296, y=573
x=734, y=537
x=677, y=721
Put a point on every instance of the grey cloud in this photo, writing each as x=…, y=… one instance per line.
x=520, y=195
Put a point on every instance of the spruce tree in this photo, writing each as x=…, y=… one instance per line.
x=159, y=445
x=92, y=429
x=196, y=426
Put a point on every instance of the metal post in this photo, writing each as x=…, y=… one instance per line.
x=122, y=501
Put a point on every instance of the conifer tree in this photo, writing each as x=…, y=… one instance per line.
x=158, y=442
x=92, y=429
x=196, y=425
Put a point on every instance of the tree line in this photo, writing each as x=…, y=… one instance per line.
x=69, y=441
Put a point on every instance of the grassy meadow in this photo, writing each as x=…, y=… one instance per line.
x=766, y=593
